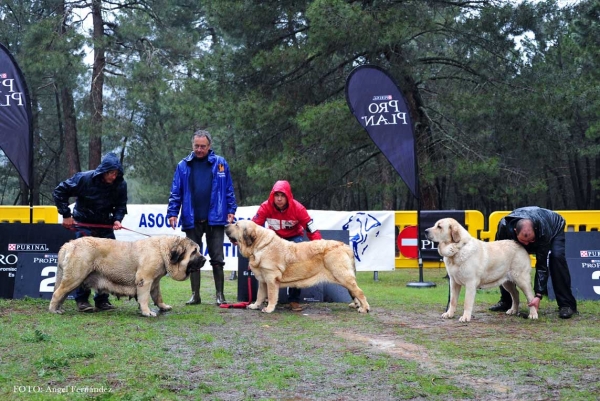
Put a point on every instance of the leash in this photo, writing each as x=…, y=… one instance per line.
x=244, y=304
x=77, y=225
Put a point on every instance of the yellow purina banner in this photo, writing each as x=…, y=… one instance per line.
x=371, y=233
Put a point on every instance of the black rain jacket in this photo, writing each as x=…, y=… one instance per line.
x=97, y=202
x=546, y=224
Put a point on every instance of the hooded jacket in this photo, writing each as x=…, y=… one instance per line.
x=287, y=223
x=222, y=197
x=546, y=225
x=96, y=201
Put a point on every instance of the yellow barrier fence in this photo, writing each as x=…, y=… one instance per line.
x=20, y=214
x=576, y=220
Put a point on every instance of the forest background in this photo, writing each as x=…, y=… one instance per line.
x=504, y=95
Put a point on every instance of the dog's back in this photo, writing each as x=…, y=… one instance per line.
x=501, y=261
x=321, y=260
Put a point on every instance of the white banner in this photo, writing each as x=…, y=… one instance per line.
x=372, y=234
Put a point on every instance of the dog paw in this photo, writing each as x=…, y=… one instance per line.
x=149, y=314
x=512, y=312
x=353, y=305
x=268, y=309
x=364, y=310
x=447, y=315
x=465, y=318
x=165, y=307
x=252, y=306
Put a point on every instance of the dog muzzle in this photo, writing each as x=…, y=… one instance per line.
x=196, y=265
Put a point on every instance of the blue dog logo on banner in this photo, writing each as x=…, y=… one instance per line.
x=360, y=226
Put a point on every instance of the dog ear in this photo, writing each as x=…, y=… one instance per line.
x=455, y=233
x=177, y=252
x=247, y=237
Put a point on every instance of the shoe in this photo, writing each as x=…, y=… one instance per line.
x=565, y=312
x=500, y=307
x=219, y=276
x=220, y=298
x=195, y=282
x=105, y=306
x=84, y=307
x=194, y=300
x=296, y=307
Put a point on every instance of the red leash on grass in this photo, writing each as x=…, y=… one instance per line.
x=242, y=305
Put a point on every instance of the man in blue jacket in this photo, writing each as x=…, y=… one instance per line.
x=202, y=190
x=101, y=199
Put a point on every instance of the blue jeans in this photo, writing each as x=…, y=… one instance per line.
x=82, y=294
x=294, y=293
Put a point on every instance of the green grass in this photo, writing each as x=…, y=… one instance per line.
x=403, y=350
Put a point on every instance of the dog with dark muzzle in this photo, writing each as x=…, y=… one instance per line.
x=123, y=268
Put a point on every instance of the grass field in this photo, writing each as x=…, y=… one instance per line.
x=402, y=350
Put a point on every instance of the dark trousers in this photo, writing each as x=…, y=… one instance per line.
x=82, y=294
x=294, y=293
x=214, y=240
x=559, y=274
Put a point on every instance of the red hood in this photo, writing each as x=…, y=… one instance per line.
x=286, y=188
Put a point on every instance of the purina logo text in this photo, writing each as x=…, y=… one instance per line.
x=384, y=97
x=28, y=247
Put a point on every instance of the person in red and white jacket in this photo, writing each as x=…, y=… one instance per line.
x=290, y=220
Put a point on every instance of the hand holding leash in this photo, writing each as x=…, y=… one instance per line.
x=67, y=222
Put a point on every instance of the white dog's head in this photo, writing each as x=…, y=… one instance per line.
x=449, y=234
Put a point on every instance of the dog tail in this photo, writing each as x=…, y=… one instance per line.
x=63, y=256
x=350, y=254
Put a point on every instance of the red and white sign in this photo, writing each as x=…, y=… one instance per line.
x=408, y=243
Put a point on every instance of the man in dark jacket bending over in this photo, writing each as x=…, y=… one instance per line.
x=541, y=232
x=101, y=199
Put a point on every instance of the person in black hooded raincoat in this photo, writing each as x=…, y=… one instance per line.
x=542, y=233
x=100, y=198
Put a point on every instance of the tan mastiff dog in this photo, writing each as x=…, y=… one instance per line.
x=276, y=262
x=477, y=264
x=122, y=268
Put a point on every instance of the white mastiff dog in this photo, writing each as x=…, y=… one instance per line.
x=477, y=264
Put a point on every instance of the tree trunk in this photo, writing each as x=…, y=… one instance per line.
x=387, y=198
x=35, y=181
x=70, y=124
x=67, y=104
x=96, y=101
x=575, y=173
x=595, y=196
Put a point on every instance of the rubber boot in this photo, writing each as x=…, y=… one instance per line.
x=195, y=282
x=219, y=276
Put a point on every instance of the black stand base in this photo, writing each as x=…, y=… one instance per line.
x=421, y=284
